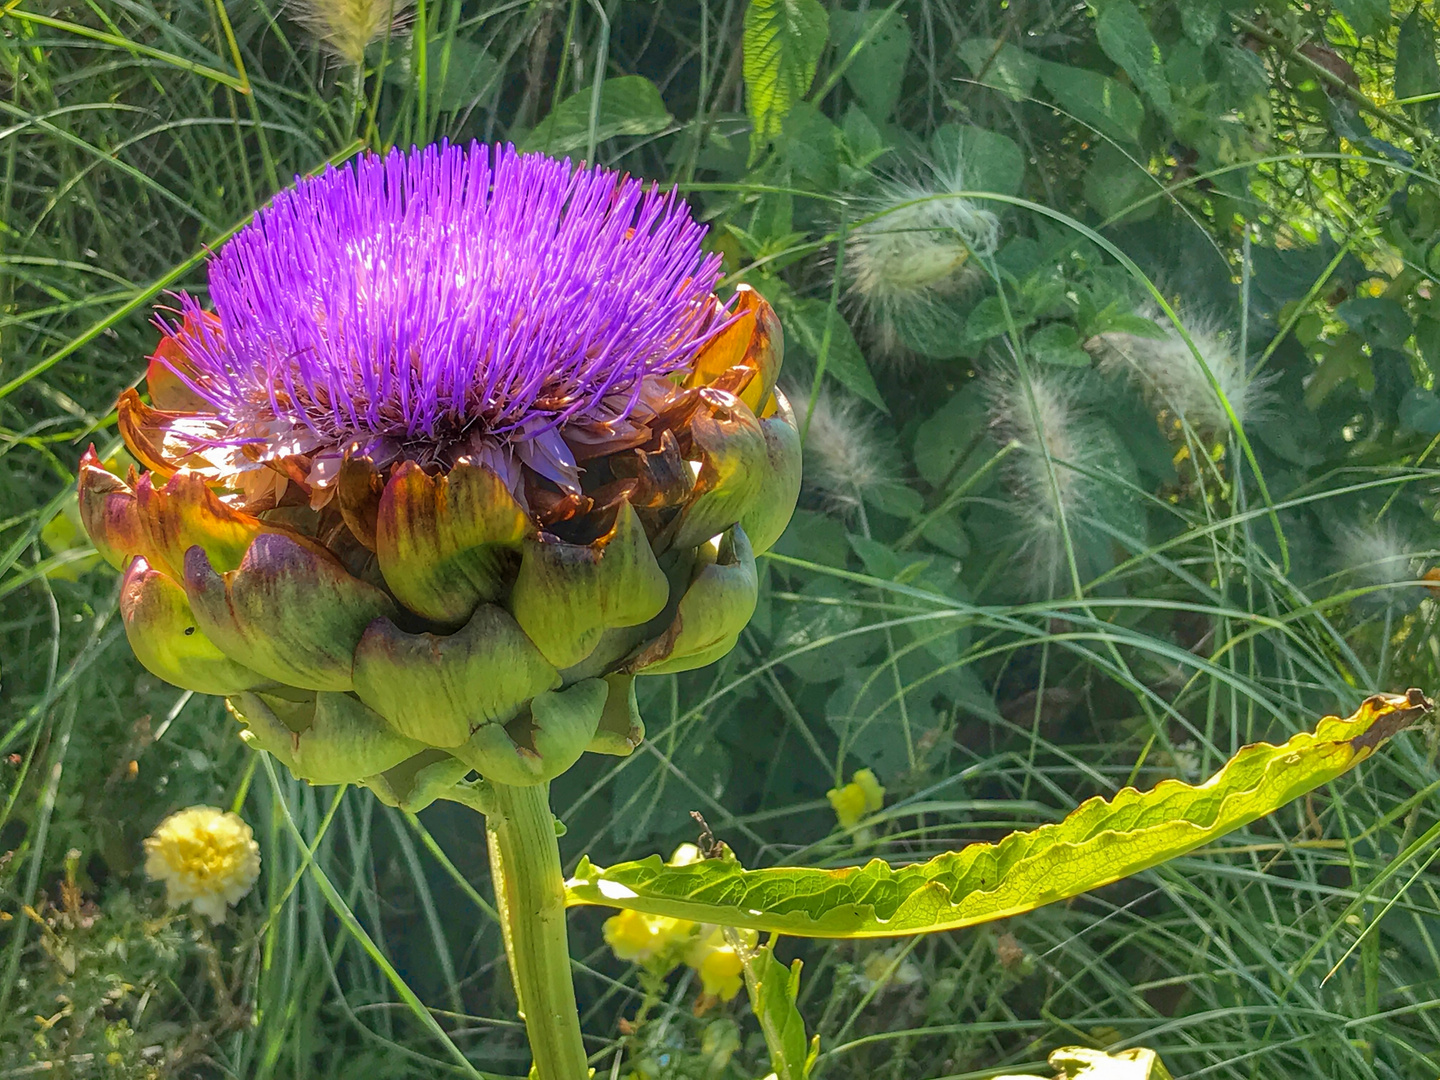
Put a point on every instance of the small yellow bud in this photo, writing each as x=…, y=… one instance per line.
x=863, y=795
x=206, y=857
x=874, y=793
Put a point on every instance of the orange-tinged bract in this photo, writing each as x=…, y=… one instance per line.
x=401, y=618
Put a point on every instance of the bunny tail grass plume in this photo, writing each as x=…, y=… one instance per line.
x=845, y=455
x=348, y=27
x=1167, y=373
x=1038, y=413
x=1378, y=556
x=916, y=249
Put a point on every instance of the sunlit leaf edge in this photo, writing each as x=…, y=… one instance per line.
x=1102, y=841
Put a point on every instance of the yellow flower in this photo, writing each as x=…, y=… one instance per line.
x=718, y=964
x=874, y=793
x=721, y=973
x=635, y=936
x=207, y=858
x=863, y=795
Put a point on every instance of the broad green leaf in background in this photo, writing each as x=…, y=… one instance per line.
x=629, y=105
x=805, y=318
x=1420, y=411
x=772, y=988
x=1058, y=343
x=1380, y=321
x=782, y=44
x=1115, y=182
x=1082, y=1063
x=1126, y=39
x=1201, y=19
x=1416, y=70
x=1366, y=17
x=865, y=711
x=1102, y=841
x=819, y=629
x=956, y=429
x=989, y=318
x=1108, y=106
x=466, y=74
x=878, y=70
x=1000, y=66
x=991, y=161
x=812, y=144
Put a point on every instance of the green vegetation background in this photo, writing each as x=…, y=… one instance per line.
x=1020, y=575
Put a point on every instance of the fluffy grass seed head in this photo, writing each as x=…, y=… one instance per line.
x=1378, y=555
x=207, y=858
x=348, y=27
x=917, y=250
x=1041, y=416
x=1167, y=373
x=846, y=456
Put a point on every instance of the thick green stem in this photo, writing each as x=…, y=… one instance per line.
x=530, y=893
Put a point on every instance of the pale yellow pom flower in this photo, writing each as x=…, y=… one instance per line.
x=206, y=857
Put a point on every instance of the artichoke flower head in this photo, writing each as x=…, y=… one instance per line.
x=465, y=443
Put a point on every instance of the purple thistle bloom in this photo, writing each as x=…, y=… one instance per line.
x=449, y=293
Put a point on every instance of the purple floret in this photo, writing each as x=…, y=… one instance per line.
x=431, y=295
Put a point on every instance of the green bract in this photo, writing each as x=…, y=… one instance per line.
x=401, y=626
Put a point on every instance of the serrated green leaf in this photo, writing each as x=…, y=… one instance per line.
x=629, y=105
x=1102, y=841
x=811, y=145
x=1095, y=100
x=782, y=46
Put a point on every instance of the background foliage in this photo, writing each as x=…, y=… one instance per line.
x=1032, y=563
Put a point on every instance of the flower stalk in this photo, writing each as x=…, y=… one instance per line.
x=530, y=896
x=466, y=445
